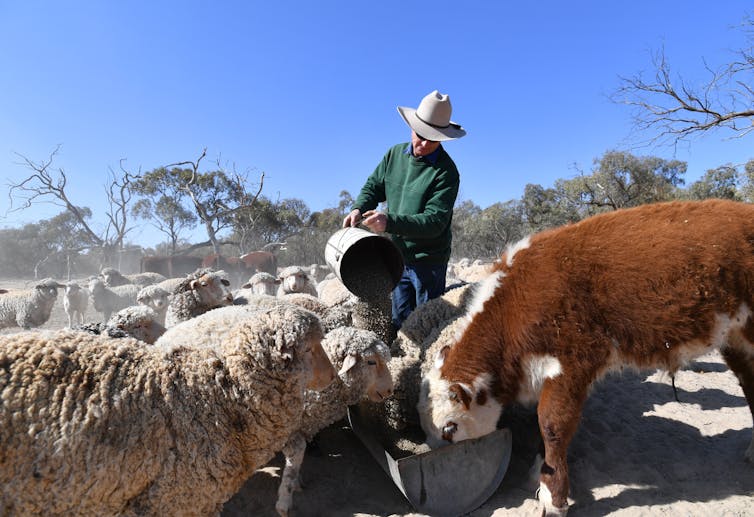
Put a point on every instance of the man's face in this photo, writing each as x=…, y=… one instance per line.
x=421, y=146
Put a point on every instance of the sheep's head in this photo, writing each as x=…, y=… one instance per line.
x=138, y=321
x=96, y=284
x=294, y=279
x=453, y=411
x=48, y=288
x=262, y=283
x=71, y=288
x=212, y=290
x=363, y=359
x=112, y=277
x=154, y=297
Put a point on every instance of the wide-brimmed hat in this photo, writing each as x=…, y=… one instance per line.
x=431, y=119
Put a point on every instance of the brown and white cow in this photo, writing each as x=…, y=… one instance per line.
x=647, y=287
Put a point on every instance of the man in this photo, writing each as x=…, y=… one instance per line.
x=419, y=182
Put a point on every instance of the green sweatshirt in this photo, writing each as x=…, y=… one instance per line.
x=420, y=196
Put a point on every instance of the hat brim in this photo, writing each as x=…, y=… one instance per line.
x=437, y=134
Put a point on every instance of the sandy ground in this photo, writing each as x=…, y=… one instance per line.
x=637, y=452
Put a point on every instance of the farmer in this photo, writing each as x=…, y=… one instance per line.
x=419, y=182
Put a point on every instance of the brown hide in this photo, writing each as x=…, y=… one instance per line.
x=642, y=287
x=638, y=283
x=260, y=261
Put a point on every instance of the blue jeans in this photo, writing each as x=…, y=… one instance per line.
x=419, y=283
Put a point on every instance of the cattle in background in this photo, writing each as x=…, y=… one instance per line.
x=171, y=267
x=260, y=261
x=240, y=269
x=648, y=287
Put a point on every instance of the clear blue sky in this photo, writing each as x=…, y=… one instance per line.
x=307, y=91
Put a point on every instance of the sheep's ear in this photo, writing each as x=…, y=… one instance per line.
x=460, y=393
x=349, y=362
x=246, y=286
x=440, y=356
x=193, y=284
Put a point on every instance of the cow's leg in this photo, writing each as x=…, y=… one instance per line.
x=740, y=358
x=559, y=412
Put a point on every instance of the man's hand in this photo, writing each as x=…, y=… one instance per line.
x=375, y=221
x=352, y=219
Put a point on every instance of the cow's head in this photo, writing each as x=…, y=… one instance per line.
x=453, y=411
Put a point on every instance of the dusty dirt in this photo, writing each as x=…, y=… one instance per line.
x=637, y=452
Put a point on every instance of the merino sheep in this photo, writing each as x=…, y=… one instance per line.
x=293, y=279
x=200, y=292
x=112, y=278
x=95, y=426
x=262, y=283
x=332, y=291
x=28, y=308
x=421, y=330
x=361, y=358
x=111, y=299
x=137, y=321
x=170, y=284
x=75, y=301
x=156, y=298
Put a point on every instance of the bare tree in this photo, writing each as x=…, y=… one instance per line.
x=217, y=196
x=46, y=184
x=672, y=110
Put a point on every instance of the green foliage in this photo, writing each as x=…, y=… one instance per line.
x=716, y=183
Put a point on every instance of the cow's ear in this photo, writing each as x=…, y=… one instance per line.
x=460, y=393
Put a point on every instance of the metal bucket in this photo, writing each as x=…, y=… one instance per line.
x=354, y=254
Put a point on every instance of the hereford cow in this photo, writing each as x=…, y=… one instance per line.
x=260, y=261
x=171, y=267
x=647, y=287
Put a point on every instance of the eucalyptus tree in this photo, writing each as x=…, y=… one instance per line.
x=720, y=183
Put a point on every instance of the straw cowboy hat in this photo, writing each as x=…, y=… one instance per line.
x=431, y=119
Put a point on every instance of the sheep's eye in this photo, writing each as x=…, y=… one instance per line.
x=372, y=363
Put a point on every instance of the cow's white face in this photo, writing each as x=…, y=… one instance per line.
x=452, y=412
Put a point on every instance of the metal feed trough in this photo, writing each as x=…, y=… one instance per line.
x=449, y=481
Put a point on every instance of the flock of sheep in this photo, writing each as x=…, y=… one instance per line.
x=185, y=387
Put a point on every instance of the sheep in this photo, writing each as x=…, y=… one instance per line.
x=112, y=278
x=95, y=426
x=418, y=333
x=75, y=301
x=361, y=360
x=200, y=292
x=262, y=283
x=28, y=308
x=332, y=291
x=170, y=284
x=156, y=298
x=137, y=321
x=111, y=299
x=293, y=279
